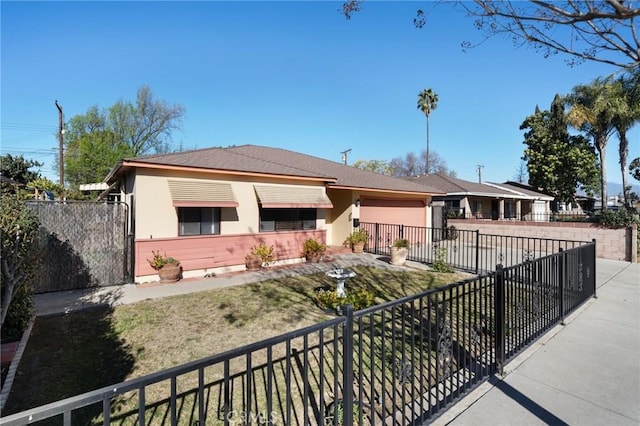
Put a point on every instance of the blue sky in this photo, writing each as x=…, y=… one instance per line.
x=294, y=75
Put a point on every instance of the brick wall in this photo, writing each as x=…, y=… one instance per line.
x=614, y=244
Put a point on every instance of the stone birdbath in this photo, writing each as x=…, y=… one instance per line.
x=340, y=275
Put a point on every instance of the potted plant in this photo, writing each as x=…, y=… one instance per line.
x=261, y=256
x=313, y=250
x=357, y=239
x=399, y=251
x=169, y=269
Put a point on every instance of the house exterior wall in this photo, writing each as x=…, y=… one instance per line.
x=156, y=225
x=613, y=244
x=340, y=218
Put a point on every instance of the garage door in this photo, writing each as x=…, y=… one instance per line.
x=393, y=211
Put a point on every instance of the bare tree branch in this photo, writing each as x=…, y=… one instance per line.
x=604, y=31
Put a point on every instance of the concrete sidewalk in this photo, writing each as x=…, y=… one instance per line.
x=586, y=372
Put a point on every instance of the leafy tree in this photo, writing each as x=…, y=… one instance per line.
x=594, y=30
x=377, y=166
x=18, y=228
x=557, y=163
x=627, y=89
x=634, y=168
x=427, y=102
x=17, y=168
x=593, y=108
x=95, y=141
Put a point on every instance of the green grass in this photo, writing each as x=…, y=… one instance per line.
x=78, y=352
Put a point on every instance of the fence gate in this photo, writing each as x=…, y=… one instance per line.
x=82, y=245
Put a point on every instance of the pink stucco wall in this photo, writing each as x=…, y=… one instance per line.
x=214, y=251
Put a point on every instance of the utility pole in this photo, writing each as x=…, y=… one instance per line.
x=479, y=167
x=344, y=155
x=60, y=143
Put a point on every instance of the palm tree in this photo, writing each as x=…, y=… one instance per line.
x=427, y=102
x=628, y=90
x=592, y=108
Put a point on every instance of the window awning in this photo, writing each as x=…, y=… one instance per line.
x=278, y=197
x=201, y=194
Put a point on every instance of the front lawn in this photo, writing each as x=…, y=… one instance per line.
x=78, y=352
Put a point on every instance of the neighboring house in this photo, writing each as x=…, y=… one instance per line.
x=208, y=207
x=492, y=201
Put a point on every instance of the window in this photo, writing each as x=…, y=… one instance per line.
x=199, y=220
x=287, y=219
x=509, y=210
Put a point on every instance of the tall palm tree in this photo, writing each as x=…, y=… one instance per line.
x=592, y=108
x=628, y=90
x=427, y=102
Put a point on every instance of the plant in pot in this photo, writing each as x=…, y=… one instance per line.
x=313, y=250
x=261, y=255
x=357, y=239
x=169, y=269
x=399, y=251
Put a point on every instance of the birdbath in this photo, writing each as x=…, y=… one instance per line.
x=340, y=275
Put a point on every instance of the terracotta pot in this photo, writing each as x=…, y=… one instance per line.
x=170, y=273
x=313, y=257
x=253, y=263
x=357, y=247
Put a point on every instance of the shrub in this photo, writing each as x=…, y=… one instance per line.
x=358, y=235
x=616, y=218
x=19, y=230
x=159, y=260
x=313, y=247
x=440, y=263
x=402, y=243
x=264, y=251
x=359, y=299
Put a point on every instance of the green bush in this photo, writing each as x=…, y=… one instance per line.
x=359, y=299
x=617, y=218
x=440, y=262
x=18, y=316
x=19, y=230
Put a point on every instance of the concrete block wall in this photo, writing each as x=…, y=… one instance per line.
x=613, y=244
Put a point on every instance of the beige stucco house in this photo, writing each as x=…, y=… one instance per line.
x=208, y=207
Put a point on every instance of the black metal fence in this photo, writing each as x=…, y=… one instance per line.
x=465, y=250
x=402, y=362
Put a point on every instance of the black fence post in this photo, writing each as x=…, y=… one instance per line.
x=377, y=237
x=401, y=232
x=499, y=318
x=593, y=259
x=477, y=250
x=347, y=367
x=561, y=268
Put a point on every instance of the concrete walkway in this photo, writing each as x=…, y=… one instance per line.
x=76, y=300
x=586, y=372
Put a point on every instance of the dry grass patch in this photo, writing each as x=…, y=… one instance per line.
x=158, y=334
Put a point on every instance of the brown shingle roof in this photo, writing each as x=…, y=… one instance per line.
x=277, y=161
x=451, y=185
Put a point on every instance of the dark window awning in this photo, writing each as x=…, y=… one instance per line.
x=201, y=194
x=280, y=197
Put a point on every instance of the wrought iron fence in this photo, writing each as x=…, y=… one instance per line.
x=402, y=362
x=465, y=250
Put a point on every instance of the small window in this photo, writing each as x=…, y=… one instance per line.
x=287, y=219
x=199, y=220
